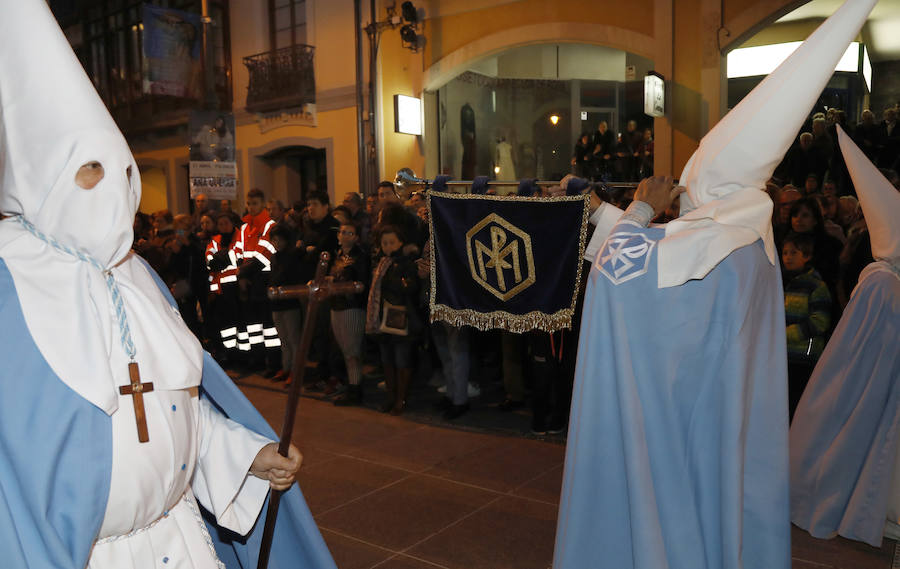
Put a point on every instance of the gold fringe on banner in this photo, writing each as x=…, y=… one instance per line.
x=500, y=319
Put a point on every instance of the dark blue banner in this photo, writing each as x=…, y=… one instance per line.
x=506, y=262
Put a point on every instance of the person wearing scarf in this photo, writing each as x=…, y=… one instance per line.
x=395, y=281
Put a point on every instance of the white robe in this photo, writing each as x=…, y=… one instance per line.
x=151, y=516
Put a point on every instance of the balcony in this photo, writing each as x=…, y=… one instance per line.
x=281, y=79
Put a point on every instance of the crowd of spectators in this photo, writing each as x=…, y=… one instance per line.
x=218, y=265
x=820, y=231
x=604, y=155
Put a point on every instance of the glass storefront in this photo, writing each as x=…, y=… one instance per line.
x=523, y=114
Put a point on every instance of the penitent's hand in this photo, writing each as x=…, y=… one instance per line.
x=278, y=470
x=657, y=192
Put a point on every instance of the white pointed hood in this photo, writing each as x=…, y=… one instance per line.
x=725, y=207
x=879, y=199
x=51, y=123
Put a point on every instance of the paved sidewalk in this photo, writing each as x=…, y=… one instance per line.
x=413, y=493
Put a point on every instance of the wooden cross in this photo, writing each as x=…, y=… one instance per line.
x=137, y=389
x=316, y=291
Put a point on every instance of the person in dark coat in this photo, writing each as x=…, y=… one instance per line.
x=287, y=269
x=319, y=234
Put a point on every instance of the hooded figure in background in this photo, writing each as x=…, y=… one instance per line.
x=844, y=461
x=91, y=475
x=678, y=437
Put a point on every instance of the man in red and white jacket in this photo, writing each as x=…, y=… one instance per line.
x=225, y=310
x=254, y=251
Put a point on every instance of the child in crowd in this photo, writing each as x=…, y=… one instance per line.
x=807, y=309
x=348, y=313
x=391, y=315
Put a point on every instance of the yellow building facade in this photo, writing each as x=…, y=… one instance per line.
x=684, y=40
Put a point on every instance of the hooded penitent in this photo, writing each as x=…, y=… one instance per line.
x=879, y=199
x=677, y=453
x=724, y=207
x=52, y=122
x=845, y=476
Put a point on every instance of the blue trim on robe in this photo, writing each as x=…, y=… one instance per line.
x=844, y=434
x=677, y=453
x=46, y=521
x=50, y=521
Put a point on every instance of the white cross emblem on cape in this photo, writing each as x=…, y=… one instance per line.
x=625, y=256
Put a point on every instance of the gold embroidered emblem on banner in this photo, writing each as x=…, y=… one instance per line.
x=504, y=266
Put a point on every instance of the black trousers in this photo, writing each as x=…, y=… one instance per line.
x=257, y=338
x=224, y=318
x=799, y=373
x=552, y=358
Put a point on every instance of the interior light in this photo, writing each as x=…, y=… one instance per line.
x=763, y=59
x=554, y=119
x=867, y=68
x=496, y=169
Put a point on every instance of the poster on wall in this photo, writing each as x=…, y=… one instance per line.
x=213, y=170
x=173, y=52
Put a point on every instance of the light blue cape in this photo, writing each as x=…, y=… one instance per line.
x=844, y=434
x=677, y=453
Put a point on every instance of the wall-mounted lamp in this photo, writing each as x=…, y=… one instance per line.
x=554, y=119
x=407, y=114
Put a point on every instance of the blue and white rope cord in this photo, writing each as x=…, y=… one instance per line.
x=124, y=330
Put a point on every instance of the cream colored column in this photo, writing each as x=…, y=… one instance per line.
x=713, y=80
x=663, y=63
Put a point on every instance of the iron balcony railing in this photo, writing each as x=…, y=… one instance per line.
x=281, y=79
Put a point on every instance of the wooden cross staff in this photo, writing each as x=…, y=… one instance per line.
x=318, y=290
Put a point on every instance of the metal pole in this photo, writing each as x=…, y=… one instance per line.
x=360, y=118
x=373, y=71
x=210, y=100
x=427, y=184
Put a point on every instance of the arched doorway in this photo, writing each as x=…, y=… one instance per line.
x=293, y=172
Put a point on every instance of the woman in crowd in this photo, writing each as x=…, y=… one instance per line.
x=806, y=218
x=390, y=314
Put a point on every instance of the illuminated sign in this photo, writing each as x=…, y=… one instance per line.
x=654, y=95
